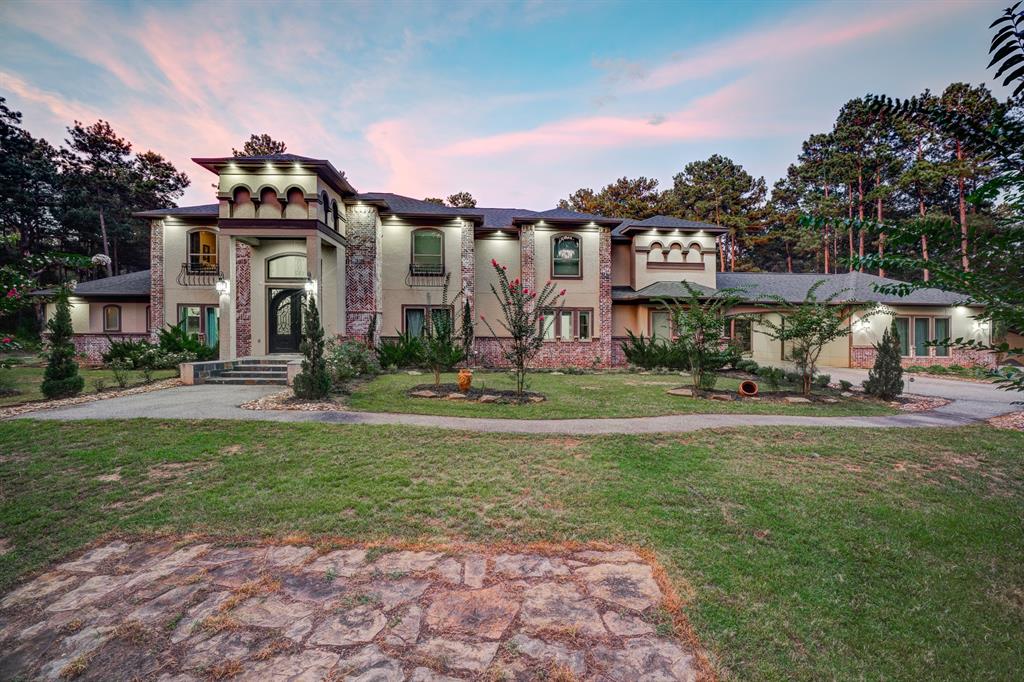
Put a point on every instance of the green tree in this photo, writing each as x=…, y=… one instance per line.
x=434, y=200
x=461, y=200
x=61, y=378
x=636, y=198
x=442, y=347
x=720, y=191
x=885, y=378
x=809, y=326
x=260, y=145
x=314, y=381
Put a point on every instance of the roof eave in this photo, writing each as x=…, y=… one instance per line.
x=335, y=178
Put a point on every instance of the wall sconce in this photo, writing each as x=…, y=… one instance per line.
x=223, y=286
x=310, y=286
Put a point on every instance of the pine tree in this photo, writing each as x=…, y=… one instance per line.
x=314, y=381
x=61, y=379
x=885, y=379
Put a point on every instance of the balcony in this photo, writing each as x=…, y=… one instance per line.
x=198, y=274
x=426, y=276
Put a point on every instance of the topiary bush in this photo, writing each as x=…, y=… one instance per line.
x=61, y=378
x=885, y=379
x=314, y=381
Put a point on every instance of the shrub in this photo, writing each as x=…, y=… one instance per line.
x=915, y=368
x=120, y=368
x=885, y=379
x=772, y=376
x=174, y=339
x=845, y=385
x=748, y=366
x=442, y=348
x=822, y=380
x=61, y=378
x=129, y=350
x=314, y=381
x=708, y=381
x=793, y=378
x=652, y=353
x=936, y=369
x=404, y=351
x=349, y=360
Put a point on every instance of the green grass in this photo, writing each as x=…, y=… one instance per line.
x=802, y=554
x=583, y=395
x=27, y=380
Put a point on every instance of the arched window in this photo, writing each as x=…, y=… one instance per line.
x=695, y=254
x=675, y=253
x=111, y=318
x=565, y=257
x=334, y=212
x=325, y=202
x=287, y=266
x=427, y=252
x=202, y=252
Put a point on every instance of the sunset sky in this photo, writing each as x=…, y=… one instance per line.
x=519, y=103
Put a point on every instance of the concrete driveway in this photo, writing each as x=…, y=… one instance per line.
x=972, y=402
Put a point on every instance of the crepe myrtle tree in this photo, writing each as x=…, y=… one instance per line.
x=810, y=325
x=700, y=324
x=524, y=311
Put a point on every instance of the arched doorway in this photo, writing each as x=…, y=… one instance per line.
x=285, y=320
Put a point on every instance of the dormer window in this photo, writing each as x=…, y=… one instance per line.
x=427, y=252
x=565, y=257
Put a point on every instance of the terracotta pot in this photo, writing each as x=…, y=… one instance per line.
x=465, y=380
x=748, y=388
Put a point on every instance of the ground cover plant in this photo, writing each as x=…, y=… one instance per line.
x=797, y=556
x=567, y=396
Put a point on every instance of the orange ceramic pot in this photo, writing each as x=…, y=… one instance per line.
x=465, y=380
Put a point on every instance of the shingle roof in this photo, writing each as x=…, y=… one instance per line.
x=856, y=287
x=489, y=217
x=134, y=285
x=204, y=210
x=664, y=222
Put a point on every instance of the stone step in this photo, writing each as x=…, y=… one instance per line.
x=248, y=381
x=254, y=371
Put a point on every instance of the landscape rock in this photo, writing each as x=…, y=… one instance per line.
x=560, y=606
x=486, y=398
x=90, y=561
x=556, y=654
x=354, y=626
x=529, y=566
x=88, y=592
x=406, y=562
x=407, y=630
x=398, y=592
x=423, y=394
x=628, y=585
x=311, y=664
x=685, y=392
x=370, y=664
x=648, y=660
x=450, y=571
x=476, y=570
x=288, y=555
x=626, y=626
x=270, y=612
x=343, y=562
x=795, y=399
x=455, y=396
x=471, y=656
x=484, y=613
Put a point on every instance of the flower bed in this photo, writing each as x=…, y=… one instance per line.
x=478, y=395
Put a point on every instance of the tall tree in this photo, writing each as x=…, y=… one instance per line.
x=852, y=135
x=636, y=198
x=720, y=191
x=260, y=145
x=461, y=200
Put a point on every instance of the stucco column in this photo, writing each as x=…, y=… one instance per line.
x=314, y=269
x=226, y=319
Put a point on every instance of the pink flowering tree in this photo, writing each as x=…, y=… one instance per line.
x=524, y=311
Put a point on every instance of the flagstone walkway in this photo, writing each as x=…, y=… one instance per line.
x=187, y=611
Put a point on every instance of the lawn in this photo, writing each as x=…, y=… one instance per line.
x=27, y=380
x=802, y=553
x=583, y=395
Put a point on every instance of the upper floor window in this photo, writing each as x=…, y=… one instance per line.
x=427, y=252
x=111, y=318
x=287, y=266
x=325, y=201
x=334, y=212
x=565, y=256
x=202, y=251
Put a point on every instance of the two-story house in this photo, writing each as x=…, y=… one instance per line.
x=235, y=272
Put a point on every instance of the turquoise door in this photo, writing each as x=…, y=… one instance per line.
x=212, y=326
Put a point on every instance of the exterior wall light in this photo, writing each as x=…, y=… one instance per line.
x=310, y=286
x=223, y=286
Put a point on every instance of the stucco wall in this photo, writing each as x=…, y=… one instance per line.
x=677, y=243
x=268, y=248
x=175, y=245
x=504, y=249
x=579, y=293
x=621, y=275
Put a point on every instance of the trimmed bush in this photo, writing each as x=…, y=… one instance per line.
x=61, y=378
x=314, y=381
x=885, y=379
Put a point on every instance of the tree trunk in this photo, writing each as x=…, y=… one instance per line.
x=721, y=252
x=924, y=237
x=860, y=214
x=106, y=246
x=849, y=231
x=963, y=209
x=881, y=235
x=826, y=234
x=732, y=254
x=789, y=259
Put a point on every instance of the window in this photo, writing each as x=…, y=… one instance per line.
x=917, y=334
x=941, y=333
x=334, y=211
x=201, y=321
x=903, y=329
x=427, y=252
x=415, y=317
x=190, y=319
x=111, y=318
x=565, y=256
x=568, y=324
x=288, y=266
x=149, y=322
x=325, y=202
x=202, y=252
x=921, y=325
x=661, y=324
x=742, y=334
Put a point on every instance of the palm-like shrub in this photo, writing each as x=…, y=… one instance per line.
x=442, y=347
x=314, y=381
x=524, y=313
x=61, y=378
x=885, y=379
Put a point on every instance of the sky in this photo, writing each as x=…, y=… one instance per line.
x=519, y=103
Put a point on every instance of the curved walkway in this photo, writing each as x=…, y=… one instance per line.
x=972, y=402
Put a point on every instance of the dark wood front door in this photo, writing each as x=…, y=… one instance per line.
x=285, y=315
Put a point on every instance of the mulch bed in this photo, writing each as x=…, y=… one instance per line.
x=1013, y=421
x=35, y=405
x=489, y=395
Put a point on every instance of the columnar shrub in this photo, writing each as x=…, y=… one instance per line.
x=61, y=378
x=314, y=381
x=885, y=379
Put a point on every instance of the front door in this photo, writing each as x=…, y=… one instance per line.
x=285, y=315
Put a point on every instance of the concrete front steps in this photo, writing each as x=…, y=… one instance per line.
x=240, y=372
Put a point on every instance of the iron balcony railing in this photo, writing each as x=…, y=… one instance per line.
x=198, y=275
x=426, y=276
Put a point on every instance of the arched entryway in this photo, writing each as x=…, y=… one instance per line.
x=285, y=320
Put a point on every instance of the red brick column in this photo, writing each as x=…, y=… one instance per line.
x=243, y=299
x=362, y=271
x=604, y=296
x=156, y=278
x=527, y=270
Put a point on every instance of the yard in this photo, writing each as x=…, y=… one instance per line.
x=801, y=553
x=570, y=396
x=26, y=381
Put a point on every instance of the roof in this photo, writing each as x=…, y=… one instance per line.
x=330, y=174
x=204, y=210
x=664, y=222
x=132, y=285
x=856, y=287
x=492, y=218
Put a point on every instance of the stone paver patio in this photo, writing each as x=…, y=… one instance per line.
x=182, y=611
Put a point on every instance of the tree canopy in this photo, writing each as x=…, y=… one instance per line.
x=260, y=145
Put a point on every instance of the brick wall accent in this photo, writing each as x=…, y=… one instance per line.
x=554, y=354
x=93, y=346
x=362, y=271
x=527, y=269
x=467, y=266
x=243, y=299
x=156, y=277
x=618, y=357
x=864, y=357
x=604, y=310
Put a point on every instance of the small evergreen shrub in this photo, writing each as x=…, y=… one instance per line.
x=773, y=376
x=404, y=351
x=348, y=360
x=747, y=366
x=314, y=381
x=61, y=378
x=794, y=378
x=885, y=379
x=654, y=353
x=822, y=380
x=845, y=385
